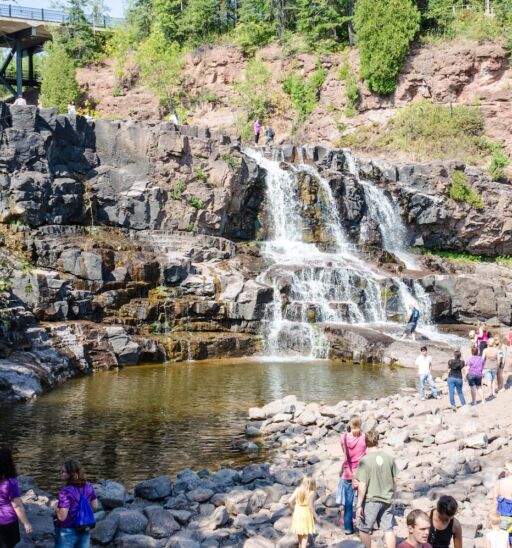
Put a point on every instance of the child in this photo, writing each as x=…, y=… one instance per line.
x=496, y=537
x=304, y=515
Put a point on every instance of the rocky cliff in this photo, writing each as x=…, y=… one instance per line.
x=124, y=242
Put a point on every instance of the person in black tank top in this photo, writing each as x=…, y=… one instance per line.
x=443, y=524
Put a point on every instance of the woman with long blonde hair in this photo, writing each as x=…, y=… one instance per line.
x=304, y=514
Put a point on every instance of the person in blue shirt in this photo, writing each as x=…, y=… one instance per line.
x=410, y=328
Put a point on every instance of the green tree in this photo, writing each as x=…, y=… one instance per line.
x=384, y=30
x=59, y=85
x=204, y=19
x=139, y=16
x=323, y=22
x=167, y=17
x=256, y=24
x=161, y=65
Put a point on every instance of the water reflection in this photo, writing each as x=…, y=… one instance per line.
x=141, y=421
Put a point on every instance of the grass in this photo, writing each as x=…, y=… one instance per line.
x=232, y=161
x=196, y=202
x=454, y=256
x=461, y=191
x=429, y=131
x=179, y=187
x=201, y=174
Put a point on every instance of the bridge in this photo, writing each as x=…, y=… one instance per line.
x=24, y=30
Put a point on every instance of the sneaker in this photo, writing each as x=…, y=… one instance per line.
x=474, y=403
x=422, y=399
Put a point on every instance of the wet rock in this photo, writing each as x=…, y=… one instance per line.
x=154, y=489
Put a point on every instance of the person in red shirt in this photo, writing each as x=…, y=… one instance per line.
x=418, y=525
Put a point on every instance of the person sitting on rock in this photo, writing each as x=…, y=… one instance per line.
x=503, y=498
x=353, y=445
x=418, y=525
x=376, y=475
x=424, y=366
x=444, y=526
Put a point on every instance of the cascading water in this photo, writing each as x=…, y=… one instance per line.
x=321, y=283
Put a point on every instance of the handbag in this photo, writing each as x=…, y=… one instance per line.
x=340, y=494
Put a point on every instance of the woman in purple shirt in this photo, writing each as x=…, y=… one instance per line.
x=475, y=372
x=67, y=534
x=11, y=507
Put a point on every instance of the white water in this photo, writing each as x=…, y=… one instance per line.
x=322, y=287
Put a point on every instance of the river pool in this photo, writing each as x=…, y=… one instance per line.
x=138, y=422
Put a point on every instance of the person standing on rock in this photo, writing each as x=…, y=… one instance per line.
x=11, y=506
x=500, y=371
x=269, y=136
x=304, y=514
x=496, y=537
x=376, y=475
x=412, y=324
x=455, y=380
x=503, y=498
x=482, y=336
x=424, y=366
x=475, y=366
x=353, y=445
x=490, y=356
x=257, y=130
x=418, y=526
x=73, y=497
x=444, y=526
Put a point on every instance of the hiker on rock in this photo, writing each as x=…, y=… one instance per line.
x=11, y=506
x=490, y=356
x=455, y=378
x=412, y=324
x=424, y=366
x=444, y=526
x=376, y=475
x=301, y=503
x=74, y=512
x=353, y=446
x=475, y=373
x=257, y=130
x=496, y=537
x=418, y=526
x=269, y=136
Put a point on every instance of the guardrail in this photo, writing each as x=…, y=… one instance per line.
x=55, y=16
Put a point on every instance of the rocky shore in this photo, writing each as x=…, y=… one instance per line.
x=437, y=451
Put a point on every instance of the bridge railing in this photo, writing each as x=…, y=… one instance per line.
x=54, y=16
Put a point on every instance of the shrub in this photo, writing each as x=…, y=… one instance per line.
x=304, y=93
x=179, y=187
x=201, y=174
x=499, y=161
x=59, y=85
x=351, y=95
x=461, y=191
x=196, y=202
x=232, y=161
x=384, y=30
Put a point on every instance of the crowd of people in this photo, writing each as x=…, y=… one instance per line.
x=485, y=367
x=368, y=486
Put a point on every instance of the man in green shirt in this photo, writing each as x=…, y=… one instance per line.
x=376, y=476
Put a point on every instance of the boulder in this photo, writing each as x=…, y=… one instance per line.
x=104, y=531
x=140, y=541
x=154, y=489
x=161, y=523
x=200, y=494
x=110, y=493
x=445, y=436
x=477, y=441
x=132, y=521
x=218, y=518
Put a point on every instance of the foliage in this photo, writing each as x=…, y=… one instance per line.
x=196, y=202
x=427, y=131
x=59, y=85
x=504, y=260
x=455, y=256
x=202, y=20
x=461, y=191
x=139, y=17
x=351, y=88
x=232, y=161
x=304, y=93
x=201, y=174
x=161, y=66
x=499, y=161
x=384, y=30
x=323, y=23
x=177, y=192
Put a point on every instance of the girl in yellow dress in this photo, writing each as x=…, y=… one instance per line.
x=304, y=515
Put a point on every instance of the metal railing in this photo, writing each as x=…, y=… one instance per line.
x=55, y=16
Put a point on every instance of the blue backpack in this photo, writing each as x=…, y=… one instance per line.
x=84, y=516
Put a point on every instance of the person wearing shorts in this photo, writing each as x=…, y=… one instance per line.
x=376, y=476
x=475, y=366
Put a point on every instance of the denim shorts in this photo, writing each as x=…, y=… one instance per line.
x=473, y=380
x=490, y=374
x=377, y=515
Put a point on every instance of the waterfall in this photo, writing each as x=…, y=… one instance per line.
x=315, y=284
x=386, y=213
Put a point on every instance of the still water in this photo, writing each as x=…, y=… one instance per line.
x=138, y=422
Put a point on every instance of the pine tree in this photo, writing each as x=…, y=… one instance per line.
x=384, y=30
x=323, y=21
